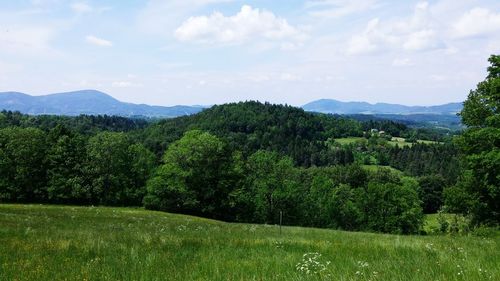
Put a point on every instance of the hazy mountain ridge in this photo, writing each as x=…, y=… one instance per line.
x=93, y=102
x=339, y=107
x=89, y=102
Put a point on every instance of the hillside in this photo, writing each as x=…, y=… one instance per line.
x=339, y=107
x=249, y=126
x=78, y=243
x=437, y=121
x=88, y=102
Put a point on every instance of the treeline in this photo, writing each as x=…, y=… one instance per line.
x=83, y=124
x=417, y=159
x=60, y=166
x=429, y=128
x=201, y=176
x=426, y=159
x=241, y=162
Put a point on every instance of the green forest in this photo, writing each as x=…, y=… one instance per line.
x=251, y=161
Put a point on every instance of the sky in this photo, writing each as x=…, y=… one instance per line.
x=203, y=52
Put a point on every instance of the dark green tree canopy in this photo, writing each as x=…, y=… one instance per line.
x=482, y=107
x=480, y=186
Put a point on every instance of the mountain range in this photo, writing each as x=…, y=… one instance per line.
x=93, y=102
x=339, y=107
x=88, y=102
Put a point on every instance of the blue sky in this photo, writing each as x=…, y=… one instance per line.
x=215, y=51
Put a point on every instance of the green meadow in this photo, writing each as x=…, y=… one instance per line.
x=401, y=142
x=99, y=243
x=350, y=140
x=375, y=168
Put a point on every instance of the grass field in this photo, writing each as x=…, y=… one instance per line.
x=402, y=142
x=87, y=243
x=346, y=141
x=393, y=142
x=399, y=141
x=375, y=168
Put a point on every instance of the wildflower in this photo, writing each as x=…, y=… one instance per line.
x=278, y=244
x=363, y=264
x=311, y=264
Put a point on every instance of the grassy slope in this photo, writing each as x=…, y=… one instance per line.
x=78, y=243
x=401, y=142
x=345, y=141
x=375, y=168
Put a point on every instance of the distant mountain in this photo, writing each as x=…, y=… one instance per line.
x=89, y=102
x=339, y=107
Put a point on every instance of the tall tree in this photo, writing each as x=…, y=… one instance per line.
x=22, y=165
x=481, y=143
x=107, y=168
x=65, y=159
x=271, y=181
x=196, y=177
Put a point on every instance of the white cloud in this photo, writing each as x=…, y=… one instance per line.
x=422, y=40
x=81, y=7
x=247, y=24
x=338, y=8
x=476, y=22
x=161, y=16
x=365, y=43
x=400, y=62
x=98, y=41
x=416, y=33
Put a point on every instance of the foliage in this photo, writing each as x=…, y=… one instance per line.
x=481, y=144
x=252, y=126
x=196, y=177
x=431, y=192
x=244, y=162
x=388, y=207
x=22, y=162
x=65, y=167
x=270, y=183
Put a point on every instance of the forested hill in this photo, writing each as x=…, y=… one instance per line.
x=250, y=126
x=226, y=162
x=246, y=126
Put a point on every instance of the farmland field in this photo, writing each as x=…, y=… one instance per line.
x=401, y=142
x=375, y=168
x=346, y=141
x=97, y=243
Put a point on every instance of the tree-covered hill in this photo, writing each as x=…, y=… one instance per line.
x=242, y=162
x=304, y=136
x=250, y=126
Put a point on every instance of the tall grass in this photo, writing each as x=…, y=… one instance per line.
x=79, y=243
